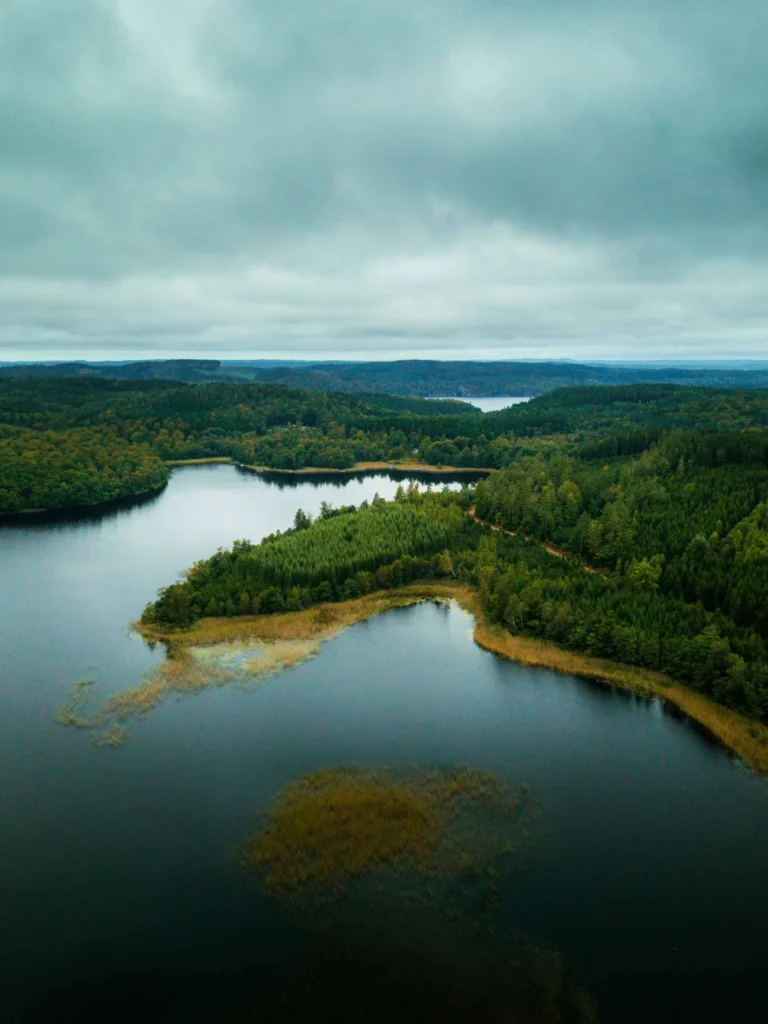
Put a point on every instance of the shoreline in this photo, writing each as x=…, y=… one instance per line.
x=370, y=467
x=744, y=737
x=359, y=467
x=197, y=462
x=92, y=506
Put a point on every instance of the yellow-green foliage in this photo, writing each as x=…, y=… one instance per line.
x=184, y=672
x=72, y=711
x=335, y=823
x=275, y=635
x=339, y=823
x=113, y=735
x=54, y=469
x=747, y=738
x=221, y=652
x=301, y=567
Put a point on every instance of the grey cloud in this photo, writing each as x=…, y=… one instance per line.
x=240, y=176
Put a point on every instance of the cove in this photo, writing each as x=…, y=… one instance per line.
x=648, y=874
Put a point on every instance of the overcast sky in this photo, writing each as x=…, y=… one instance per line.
x=459, y=178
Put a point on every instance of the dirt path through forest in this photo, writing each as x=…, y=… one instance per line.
x=550, y=548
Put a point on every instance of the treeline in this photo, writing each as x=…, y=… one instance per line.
x=52, y=470
x=405, y=376
x=628, y=617
x=80, y=441
x=289, y=429
x=346, y=553
x=694, y=530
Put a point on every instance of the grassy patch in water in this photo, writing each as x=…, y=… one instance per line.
x=221, y=652
x=72, y=711
x=183, y=672
x=284, y=640
x=338, y=824
x=398, y=873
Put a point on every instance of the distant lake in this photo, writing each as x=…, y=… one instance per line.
x=494, y=404
x=116, y=869
x=489, y=404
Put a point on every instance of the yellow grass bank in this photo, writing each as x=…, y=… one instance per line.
x=197, y=462
x=373, y=467
x=745, y=737
x=359, y=467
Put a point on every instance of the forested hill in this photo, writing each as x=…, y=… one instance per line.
x=468, y=379
x=78, y=441
x=406, y=377
x=72, y=441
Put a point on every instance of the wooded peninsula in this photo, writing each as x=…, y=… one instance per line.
x=621, y=480
x=663, y=490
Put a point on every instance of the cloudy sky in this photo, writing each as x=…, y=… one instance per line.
x=460, y=178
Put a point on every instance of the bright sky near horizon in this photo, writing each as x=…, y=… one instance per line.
x=444, y=178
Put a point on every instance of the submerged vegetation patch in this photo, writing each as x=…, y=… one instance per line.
x=183, y=672
x=397, y=872
x=345, y=978
x=221, y=652
x=337, y=825
x=225, y=651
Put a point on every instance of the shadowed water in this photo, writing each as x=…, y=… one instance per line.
x=116, y=865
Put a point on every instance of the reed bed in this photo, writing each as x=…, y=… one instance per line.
x=745, y=737
x=310, y=629
x=337, y=824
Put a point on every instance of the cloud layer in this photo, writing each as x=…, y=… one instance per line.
x=418, y=177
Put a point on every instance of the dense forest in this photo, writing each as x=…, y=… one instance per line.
x=42, y=470
x=346, y=553
x=58, y=423
x=78, y=441
x=663, y=490
x=628, y=616
x=407, y=376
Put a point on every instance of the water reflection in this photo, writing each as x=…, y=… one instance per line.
x=81, y=513
x=650, y=871
x=294, y=481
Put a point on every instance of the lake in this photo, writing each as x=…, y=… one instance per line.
x=492, y=404
x=648, y=867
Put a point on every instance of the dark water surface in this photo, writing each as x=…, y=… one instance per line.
x=115, y=864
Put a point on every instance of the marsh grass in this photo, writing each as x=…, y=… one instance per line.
x=333, y=826
x=283, y=641
x=73, y=711
x=184, y=672
x=745, y=737
x=320, y=623
x=404, y=466
x=198, y=462
x=398, y=873
x=112, y=735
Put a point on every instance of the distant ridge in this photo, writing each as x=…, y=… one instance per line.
x=424, y=377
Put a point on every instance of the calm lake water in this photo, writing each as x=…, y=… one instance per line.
x=116, y=864
x=494, y=404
